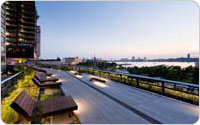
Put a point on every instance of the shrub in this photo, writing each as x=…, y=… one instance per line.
x=25, y=83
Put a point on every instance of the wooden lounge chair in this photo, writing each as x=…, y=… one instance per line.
x=46, y=84
x=97, y=79
x=77, y=73
x=39, y=69
x=42, y=77
x=29, y=108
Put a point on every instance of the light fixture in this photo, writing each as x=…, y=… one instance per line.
x=7, y=43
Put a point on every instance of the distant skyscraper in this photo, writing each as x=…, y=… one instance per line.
x=133, y=58
x=21, y=20
x=188, y=57
x=124, y=59
x=145, y=58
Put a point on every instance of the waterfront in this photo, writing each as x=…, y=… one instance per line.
x=149, y=64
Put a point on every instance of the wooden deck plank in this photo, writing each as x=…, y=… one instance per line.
x=164, y=109
x=93, y=107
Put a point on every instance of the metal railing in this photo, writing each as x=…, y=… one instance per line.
x=8, y=84
x=166, y=87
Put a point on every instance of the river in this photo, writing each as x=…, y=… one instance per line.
x=149, y=64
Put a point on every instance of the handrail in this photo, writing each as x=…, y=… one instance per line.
x=9, y=78
x=145, y=77
x=163, y=83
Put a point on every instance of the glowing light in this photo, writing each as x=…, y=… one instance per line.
x=60, y=80
x=78, y=76
x=49, y=77
x=83, y=106
x=54, y=75
x=100, y=84
x=72, y=71
x=91, y=76
x=7, y=43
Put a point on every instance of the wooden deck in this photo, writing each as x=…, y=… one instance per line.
x=101, y=103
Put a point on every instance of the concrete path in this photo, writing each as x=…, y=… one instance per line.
x=93, y=107
x=153, y=106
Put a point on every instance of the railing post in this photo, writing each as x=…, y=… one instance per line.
x=137, y=82
x=163, y=87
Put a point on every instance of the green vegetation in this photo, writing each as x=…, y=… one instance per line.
x=8, y=115
x=98, y=64
x=150, y=86
x=189, y=74
x=46, y=97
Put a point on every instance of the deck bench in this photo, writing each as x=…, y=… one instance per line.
x=97, y=79
x=42, y=77
x=46, y=84
x=29, y=108
x=39, y=69
x=77, y=73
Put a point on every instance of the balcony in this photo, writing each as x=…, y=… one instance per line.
x=11, y=30
x=11, y=8
x=10, y=34
x=26, y=36
x=27, y=22
x=28, y=17
x=10, y=24
x=27, y=32
x=10, y=16
x=27, y=27
x=28, y=12
x=9, y=40
x=29, y=3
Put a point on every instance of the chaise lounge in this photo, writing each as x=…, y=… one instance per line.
x=42, y=77
x=46, y=84
x=97, y=79
x=29, y=108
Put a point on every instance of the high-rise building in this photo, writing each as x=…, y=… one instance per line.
x=72, y=60
x=145, y=58
x=3, y=39
x=188, y=56
x=133, y=58
x=21, y=24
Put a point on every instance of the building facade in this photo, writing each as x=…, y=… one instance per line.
x=72, y=60
x=20, y=33
x=49, y=62
x=3, y=39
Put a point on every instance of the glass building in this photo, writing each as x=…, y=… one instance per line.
x=20, y=32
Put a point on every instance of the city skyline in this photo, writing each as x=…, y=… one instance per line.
x=113, y=30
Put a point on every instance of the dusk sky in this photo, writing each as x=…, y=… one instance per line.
x=112, y=30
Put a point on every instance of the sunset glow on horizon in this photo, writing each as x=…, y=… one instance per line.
x=113, y=30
